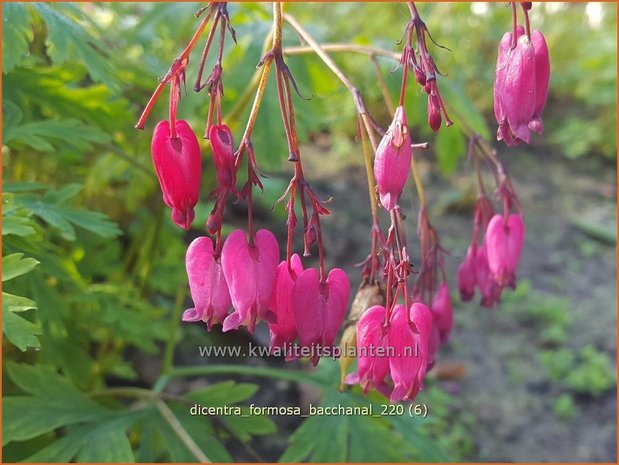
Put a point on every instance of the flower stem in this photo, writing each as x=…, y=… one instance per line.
x=181, y=432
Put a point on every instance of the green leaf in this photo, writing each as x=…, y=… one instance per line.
x=450, y=147
x=50, y=135
x=82, y=437
x=54, y=402
x=226, y=393
x=21, y=332
x=16, y=34
x=68, y=40
x=14, y=265
x=107, y=447
x=245, y=425
x=51, y=209
x=18, y=225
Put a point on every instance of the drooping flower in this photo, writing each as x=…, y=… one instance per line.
x=409, y=342
x=178, y=165
x=542, y=79
x=223, y=155
x=319, y=309
x=284, y=329
x=442, y=311
x=467, y=280
x=515, y=89
x=207, y=284
x=372, y=355
x=488, y=287
x=250, y=271
x=504, y=240
x=393, y=160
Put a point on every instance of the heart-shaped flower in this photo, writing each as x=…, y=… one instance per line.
x=504, y=241
x=319, y=309
x=250, y=271
x=207, y=283
x=284, y=329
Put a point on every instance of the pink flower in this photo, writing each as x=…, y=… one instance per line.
x=319, y=309
x=467, y=280
x=515, y=89
x=442, y=311
x=250, y=271
x=223, y=155
x=372, y=354
x=284, y=329
x=409, y=341
x=393, y=160
x=207, y=283
x=179, y=168
x=488, y=287
x=542, y=79
x=504, y=240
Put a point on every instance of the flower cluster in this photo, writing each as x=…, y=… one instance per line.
x=521, y=83
x=491, y=262
x=402, y=312
x=399, y=349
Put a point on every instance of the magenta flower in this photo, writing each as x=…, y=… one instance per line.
x=434, y=112
x=488, y=287
x=207, y=283
x=223, y=155
x=467, y=280
x=442, y=311
x=319, y=309
x=178, y=164
x=504, y=240
x=284, y=329
x=542, y=79
x=515, y=90
x=250, y=271
x=393, y=160
x=409, y=342
x=372, y=354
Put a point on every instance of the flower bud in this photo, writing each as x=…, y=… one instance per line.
x=467, y=280
x=178, y=165
x=223, y=155
x=434, y=112
x=393, y=160
x=442, y=311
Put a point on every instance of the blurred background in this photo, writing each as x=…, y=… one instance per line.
x=97, y=365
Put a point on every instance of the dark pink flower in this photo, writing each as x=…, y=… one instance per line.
x=467, y=280
x=393, y=160
x=442, y=311
x=409, y=342
x=434, y=112
x=319, y=309
x=515, y=89
x=207, y=283
x=488, y=287
x=178, y=164
x=223, y=155
x=372, y=354
x=542, y=79
x=250, y=271
x=504, y=240
x=284, y=329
